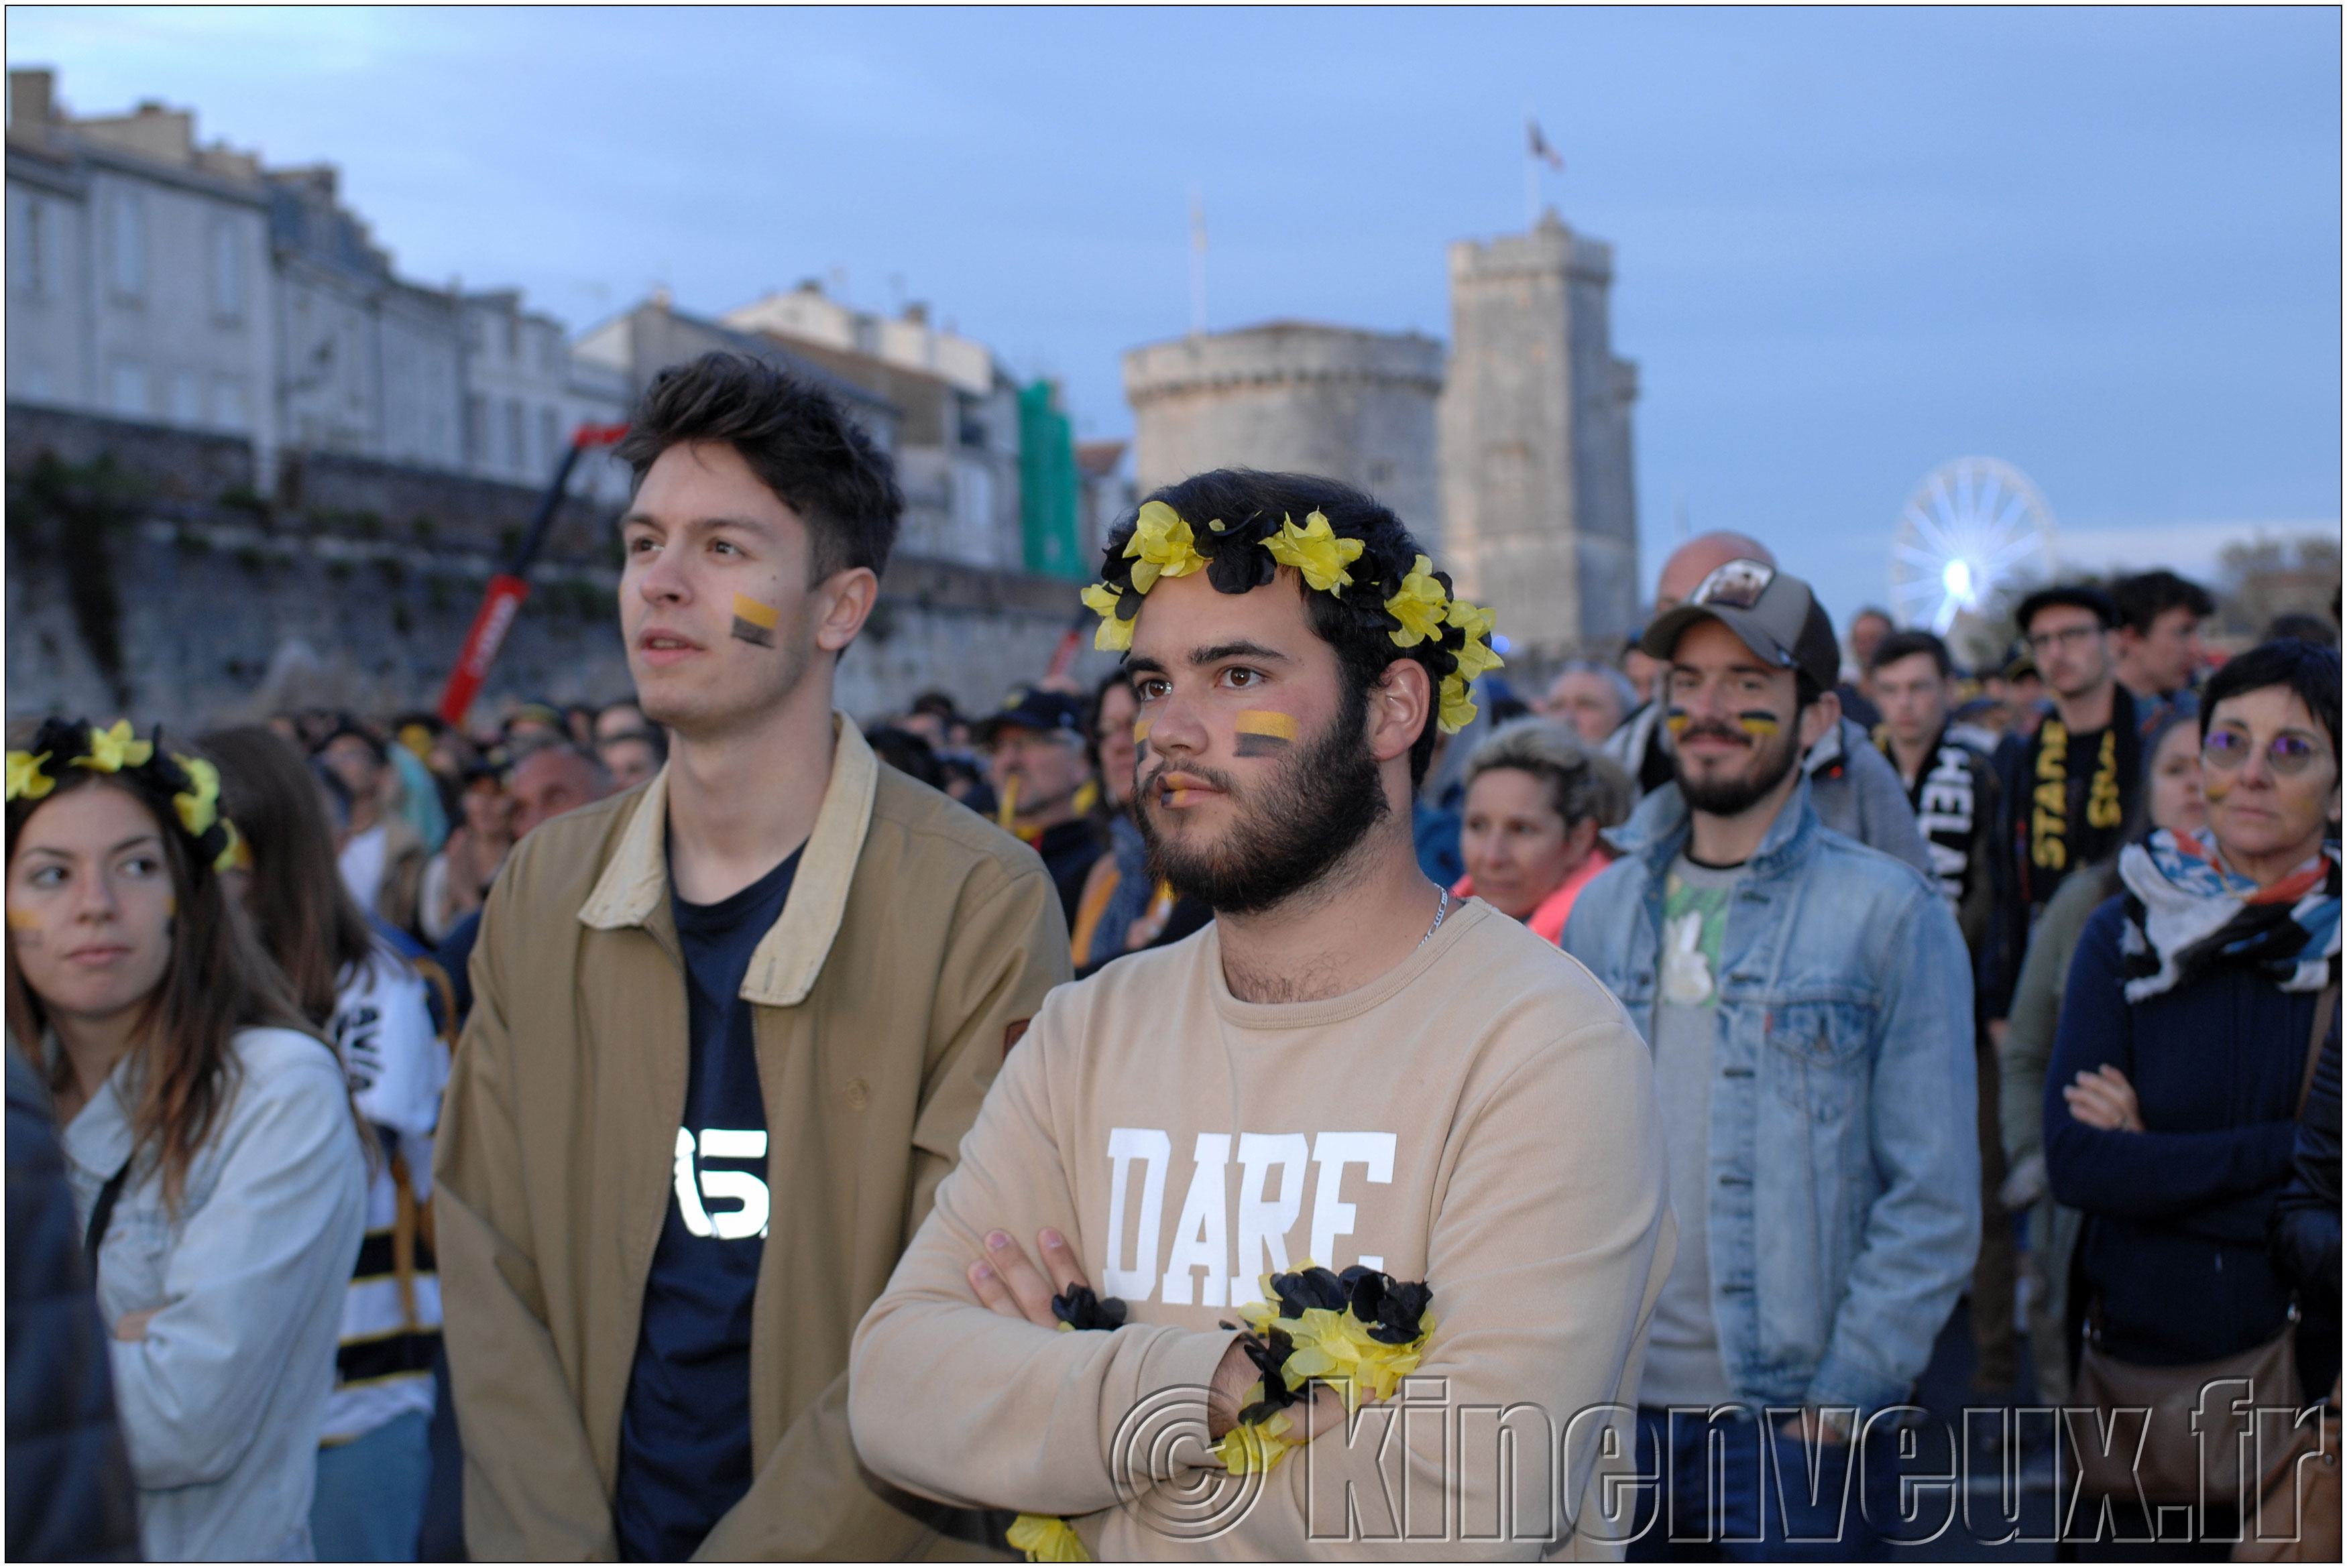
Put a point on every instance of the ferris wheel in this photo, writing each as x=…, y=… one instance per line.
x=1971, y=526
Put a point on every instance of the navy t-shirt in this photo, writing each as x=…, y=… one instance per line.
x=684, y=1433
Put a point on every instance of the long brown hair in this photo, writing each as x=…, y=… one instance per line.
x=217, y=982
x=307, y=919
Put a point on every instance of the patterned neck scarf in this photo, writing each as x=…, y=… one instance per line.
x=2188, y=913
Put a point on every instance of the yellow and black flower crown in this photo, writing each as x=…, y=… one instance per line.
x=190, y=784
x=1410, y=601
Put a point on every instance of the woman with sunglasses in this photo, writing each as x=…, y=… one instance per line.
x=2171, y=1102
x=209, y=1142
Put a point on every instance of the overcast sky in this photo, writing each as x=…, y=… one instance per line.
x=2102, y=245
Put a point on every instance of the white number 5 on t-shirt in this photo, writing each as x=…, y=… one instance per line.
x=722, y=1143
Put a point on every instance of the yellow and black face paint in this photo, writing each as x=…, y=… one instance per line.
x=1759, y=723
x=755, y=622
x=1140, y=735
x=1675, y=720
x=24, y=920
x=1264, y=733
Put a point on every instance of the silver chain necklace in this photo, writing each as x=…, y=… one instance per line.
x=1440, y=909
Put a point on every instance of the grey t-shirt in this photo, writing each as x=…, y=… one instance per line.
x=1683, y=1364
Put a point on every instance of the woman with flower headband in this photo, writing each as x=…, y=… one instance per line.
x=209, y=1136
x=1353, y=1130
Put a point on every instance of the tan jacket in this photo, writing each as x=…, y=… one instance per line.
x=915, y=940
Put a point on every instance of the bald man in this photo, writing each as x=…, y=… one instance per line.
x=1852, y=790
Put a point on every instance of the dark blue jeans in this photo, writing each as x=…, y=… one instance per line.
x=1725, y=1494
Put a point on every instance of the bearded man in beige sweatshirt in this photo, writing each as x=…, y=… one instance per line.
x=1347, y=1067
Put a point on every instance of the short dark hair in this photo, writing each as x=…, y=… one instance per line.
x=799, y=442
x=2148, y=595
x=351, y=729
x=1249, y=504
x=1907, y=644
x=1878, y=613
x=2306, y=629
x=2078, y=596
x=2309, y=671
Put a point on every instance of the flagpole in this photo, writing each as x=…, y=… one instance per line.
x=1197, y=262
x=1531, y=173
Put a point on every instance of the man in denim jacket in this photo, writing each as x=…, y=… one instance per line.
x=1808, y=1002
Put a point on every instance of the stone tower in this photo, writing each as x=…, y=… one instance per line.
x=1295, y=397
x=1540, y=520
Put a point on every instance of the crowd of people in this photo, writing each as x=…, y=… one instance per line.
x=788, y=1137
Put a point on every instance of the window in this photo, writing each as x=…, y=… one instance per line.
x=125, y=234
x=126, y=384
x=186, y=398
x=228, y=272
x=549, y=438
x=228, y=403
x=515, y=459
x=513, y=341
x=476, y=431
x=27, y=250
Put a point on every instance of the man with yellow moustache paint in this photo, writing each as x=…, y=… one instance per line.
x=1353, y=1130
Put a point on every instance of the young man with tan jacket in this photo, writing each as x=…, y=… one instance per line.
x=729, y=1030
x=1347, y=1067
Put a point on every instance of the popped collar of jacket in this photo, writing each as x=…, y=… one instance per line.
x=917, y=939
x=1842, y=1108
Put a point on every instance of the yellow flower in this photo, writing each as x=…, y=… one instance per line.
x=1246, y=1448
x=1316, y=551
x=1047, y=1539
x=1114, y=636
x=1476, y=656
x=25, y=778
x=1418, y=607
x=112, y=750
x=238, y=856
x=199, y=807
x=1162, y=544
x=1457, y=711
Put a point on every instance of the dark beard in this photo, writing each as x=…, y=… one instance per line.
x=1734, y=797
x=1288, y=831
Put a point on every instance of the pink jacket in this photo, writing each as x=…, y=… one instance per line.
x=1548, y=920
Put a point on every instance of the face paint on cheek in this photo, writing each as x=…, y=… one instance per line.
x=1264, y=733
x=2211, y=790
x=1675, y=722
x=1759, y=723
x=26, y=926
x=1140, y=736
x=755, y=622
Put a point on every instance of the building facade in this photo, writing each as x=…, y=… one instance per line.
x=1295, y=397
x=139, y=269
x=526, y=394
x=157, y=280
x=1539, y=510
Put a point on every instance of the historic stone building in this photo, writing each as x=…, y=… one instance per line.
x=1291, y=395
x=1540, y=517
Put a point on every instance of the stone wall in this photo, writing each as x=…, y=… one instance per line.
x=1292, y=396
x=159, y=600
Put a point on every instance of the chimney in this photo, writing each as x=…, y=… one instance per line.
x=31, y=101
x=917, y=312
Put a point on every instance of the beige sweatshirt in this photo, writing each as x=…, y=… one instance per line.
x=1481, y=1118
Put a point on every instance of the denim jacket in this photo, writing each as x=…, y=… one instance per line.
x=220, y=1401
x=1843, y=1115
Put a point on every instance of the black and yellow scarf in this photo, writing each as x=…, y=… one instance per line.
x=2058, y=825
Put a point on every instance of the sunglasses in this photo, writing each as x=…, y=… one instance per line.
x=1737, y=585
x=2228, y=751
